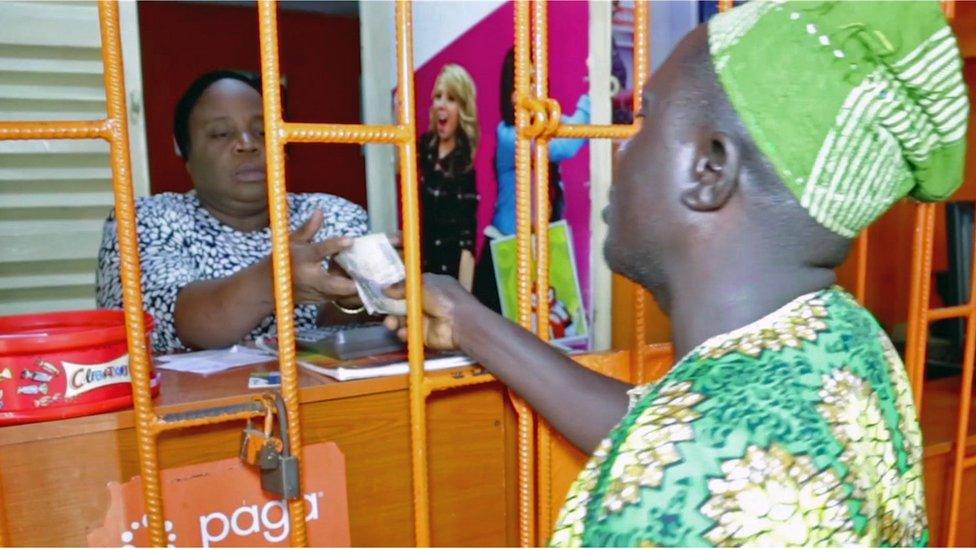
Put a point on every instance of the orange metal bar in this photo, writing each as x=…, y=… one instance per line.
x=962, y=426
x=274, y=143
x=919, y=326
x=277, y=134
x=114, y=129
x=161, y=426
x=117, y=133
x=411, y=229
x=641, y=25
x=543, y=125
x=540, y=88
x=949, y=9
x=69, y=129
x=523, y=237
x=960, y=461
x=596, y=131
x=342, y=133
x=861, y=284
x=955, y=311
x=918, y=299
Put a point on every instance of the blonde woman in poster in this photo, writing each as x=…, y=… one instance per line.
x=448, y=192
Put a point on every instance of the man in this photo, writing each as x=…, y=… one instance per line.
x=770, y=139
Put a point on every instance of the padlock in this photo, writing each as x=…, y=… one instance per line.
x=270, y=454
x=283, y=479
x=253, y=440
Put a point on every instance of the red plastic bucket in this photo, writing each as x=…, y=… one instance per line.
x=65, y=364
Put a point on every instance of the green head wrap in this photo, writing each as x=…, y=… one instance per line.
x=856, y=104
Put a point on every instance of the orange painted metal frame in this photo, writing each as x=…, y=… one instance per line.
x=403, y=135
x=537, y=118
x=114, y=129
x=919, y=317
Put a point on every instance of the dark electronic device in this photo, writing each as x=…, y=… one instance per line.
x=349, y=341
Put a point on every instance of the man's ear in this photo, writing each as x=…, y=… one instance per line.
x=716, y=176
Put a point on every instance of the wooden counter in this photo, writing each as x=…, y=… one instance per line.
x=54, y=475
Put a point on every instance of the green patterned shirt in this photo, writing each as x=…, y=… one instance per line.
x=798, y=429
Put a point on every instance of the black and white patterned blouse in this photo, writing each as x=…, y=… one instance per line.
x=180, y=242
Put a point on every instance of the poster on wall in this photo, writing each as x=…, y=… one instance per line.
x=567, y=316
x=466, y=138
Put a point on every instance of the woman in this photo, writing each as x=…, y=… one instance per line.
x=205, y=254
x=449, y=194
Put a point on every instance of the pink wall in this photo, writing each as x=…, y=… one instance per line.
x=481, y=50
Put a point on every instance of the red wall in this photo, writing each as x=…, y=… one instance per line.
x=319, y=57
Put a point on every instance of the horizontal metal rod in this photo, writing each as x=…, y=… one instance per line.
x=343, y=133
x=595, y=131
x=209, y=416
x=954, y=311
x=59, y=129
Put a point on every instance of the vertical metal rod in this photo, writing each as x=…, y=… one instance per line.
x=641, y=70
x=918, y=299
x=117, y=126
x=523, y=238
x=962, y=419
x=411, y=227
x=966, y=390
x=861, y=283
x=275, y=139
x=540, y=88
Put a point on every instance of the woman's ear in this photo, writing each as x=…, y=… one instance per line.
x=717, y=167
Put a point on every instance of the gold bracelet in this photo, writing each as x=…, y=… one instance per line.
x=356, y=311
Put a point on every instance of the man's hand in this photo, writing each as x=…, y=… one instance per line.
x=311, y=282
x=442, y=296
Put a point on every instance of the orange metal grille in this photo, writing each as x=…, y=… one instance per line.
x=538, y=119
x=920, y=315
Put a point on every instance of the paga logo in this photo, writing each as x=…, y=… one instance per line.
x=220, y=504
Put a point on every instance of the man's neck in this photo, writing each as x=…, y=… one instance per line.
x=720, y=301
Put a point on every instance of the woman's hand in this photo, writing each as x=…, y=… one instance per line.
x=311, y=282
x=442, y=297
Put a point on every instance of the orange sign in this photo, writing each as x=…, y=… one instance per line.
x=221, y=504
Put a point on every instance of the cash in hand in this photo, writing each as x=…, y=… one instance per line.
x=374, y=265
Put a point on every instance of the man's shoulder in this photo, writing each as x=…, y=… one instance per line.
x=811, y=321
x=798, y=346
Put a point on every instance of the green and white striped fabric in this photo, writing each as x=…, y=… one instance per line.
x=856, y=104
